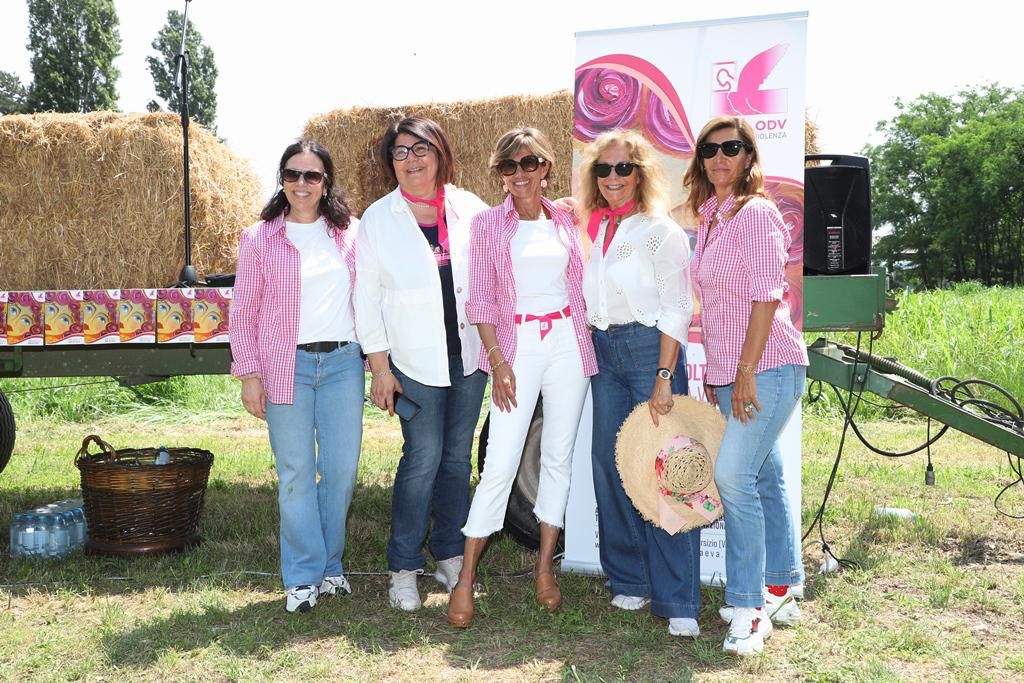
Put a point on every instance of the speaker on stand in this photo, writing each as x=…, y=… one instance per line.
x=837, y=215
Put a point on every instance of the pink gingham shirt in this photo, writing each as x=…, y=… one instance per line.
x=742, y=262
x=265, y=303
x=492, y=282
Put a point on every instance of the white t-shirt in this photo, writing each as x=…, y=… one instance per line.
x=539, y=262
x=325, y=312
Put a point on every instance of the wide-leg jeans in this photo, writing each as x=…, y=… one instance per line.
x=639, y=558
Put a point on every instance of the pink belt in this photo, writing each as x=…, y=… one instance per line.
x=545, y=320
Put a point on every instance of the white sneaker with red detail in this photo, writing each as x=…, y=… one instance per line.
x=748, y=630
x=782, y=610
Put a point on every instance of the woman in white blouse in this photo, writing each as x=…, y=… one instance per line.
x=526, y=268
x=637, y=289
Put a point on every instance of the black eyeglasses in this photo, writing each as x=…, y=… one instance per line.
x=623, y=169
x=730, y=148
x=401, y=152
x=290, y=175
x=529, y=164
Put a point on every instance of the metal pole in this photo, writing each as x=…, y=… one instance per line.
x=189, y=277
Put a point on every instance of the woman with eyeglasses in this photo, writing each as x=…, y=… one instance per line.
x=525, y=297
x=756, y=369
x=411, y=288
x=637, y=289
x=293, y=345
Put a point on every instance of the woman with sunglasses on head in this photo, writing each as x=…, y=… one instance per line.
x=411, y=288
x=756, y=369
x=525, y=298
x=293, y=345
x=637, y=291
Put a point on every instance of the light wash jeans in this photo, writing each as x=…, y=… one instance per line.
x=433, y=475
x=316, y=441
x=552, y=368
x=639, y=558
x=759, y=547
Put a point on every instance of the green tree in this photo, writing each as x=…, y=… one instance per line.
x=13, y=94
x=948, y=180
x=73, y=44
x=202, y=73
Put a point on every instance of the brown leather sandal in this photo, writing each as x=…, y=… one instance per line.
x=548, y=595
x=460, y=606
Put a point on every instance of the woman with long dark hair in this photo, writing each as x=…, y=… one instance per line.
x=293, y=346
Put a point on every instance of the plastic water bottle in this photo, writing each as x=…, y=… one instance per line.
x=163, y=456
x=49, y=531
x=74, y=540
x=40, y=535
x=58, y=545
x=81, y=526
x=17, y=534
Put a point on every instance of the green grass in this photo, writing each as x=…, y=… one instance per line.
x=935, y=598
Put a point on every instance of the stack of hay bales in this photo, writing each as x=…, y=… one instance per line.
x=353, y=136
x=94, y=201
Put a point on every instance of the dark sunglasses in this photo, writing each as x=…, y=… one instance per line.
x=730, y=148
x=290, y=175
x=529, y=164
x=623, y=169
x=401, y=152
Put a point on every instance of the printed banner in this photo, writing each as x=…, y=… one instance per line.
x=666, y=82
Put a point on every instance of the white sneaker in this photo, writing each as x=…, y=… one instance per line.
x=629, y=602
x=681, y=626
x=335, y=585
x=300, y=598
x=782, y=610
x=748, y=630
x=447, y=573
x=402, y=591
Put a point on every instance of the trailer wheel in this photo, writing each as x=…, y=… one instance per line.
x=520, y=523
x=6, y=431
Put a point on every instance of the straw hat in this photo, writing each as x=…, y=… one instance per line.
x=668, y=471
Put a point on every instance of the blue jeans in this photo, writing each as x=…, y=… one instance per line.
x=317, y=436
x=759, y=545
x=433, y=474
x=639, y=558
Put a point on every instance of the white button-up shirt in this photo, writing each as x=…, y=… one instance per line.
x=398, y=292
x=643, y=278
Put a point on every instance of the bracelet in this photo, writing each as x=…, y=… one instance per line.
x=500, y=363
x=382, y=373
x=745, y=368
x=491, y=350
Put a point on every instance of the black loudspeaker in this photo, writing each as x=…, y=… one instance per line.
x=837, y=216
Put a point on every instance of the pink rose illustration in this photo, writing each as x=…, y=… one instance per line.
x=605, y=99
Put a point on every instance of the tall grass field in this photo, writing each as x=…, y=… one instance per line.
x=935, y=597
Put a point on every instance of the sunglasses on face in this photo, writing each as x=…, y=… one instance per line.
x=529, y=164
x=290, y=175
x=401, y=152
x=623, y=169
x=730, y=148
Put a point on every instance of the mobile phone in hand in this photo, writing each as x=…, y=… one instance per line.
x=405, y=408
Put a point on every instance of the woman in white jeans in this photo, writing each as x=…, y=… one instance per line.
x=525, y=297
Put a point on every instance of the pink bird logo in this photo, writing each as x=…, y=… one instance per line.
x=748, y=98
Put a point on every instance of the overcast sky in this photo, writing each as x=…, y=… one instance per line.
x=282, y=62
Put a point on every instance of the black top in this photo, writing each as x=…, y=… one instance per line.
x=444, y=271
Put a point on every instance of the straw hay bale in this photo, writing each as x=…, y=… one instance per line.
x=353, y=135
x=94, y=201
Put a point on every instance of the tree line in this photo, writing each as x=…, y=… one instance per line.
x=74, y=43
x=949, y=180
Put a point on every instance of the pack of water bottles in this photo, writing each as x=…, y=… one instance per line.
x=52, y=530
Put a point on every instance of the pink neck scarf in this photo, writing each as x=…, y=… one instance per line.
x=438, y=204
x=612, y=215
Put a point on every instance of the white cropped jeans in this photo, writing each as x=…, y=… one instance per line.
x=552, y=368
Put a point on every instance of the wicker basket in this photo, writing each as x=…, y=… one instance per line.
x=134, y=506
